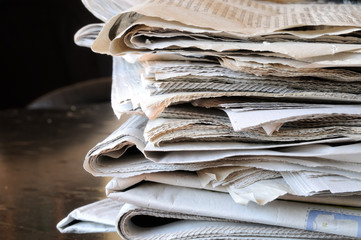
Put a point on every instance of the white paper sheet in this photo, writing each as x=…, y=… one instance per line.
x=164, y=198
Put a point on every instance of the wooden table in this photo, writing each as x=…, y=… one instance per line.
x=41, y=173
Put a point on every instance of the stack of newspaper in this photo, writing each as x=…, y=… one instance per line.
x=238, y=120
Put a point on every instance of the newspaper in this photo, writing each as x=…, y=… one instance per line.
x=281, y=67
x=132, y=219
x=163, y=83
x=243, y=120
x=170, y=201
x=247, y=17
x=293, y=47
x=211, y=20
x=288, y=42
x=251, y=168
x=95, y=217
x=269, y=60
x=166, y=72
x=176, y=123
x=131, y=133
x=257, y=185
x=253, y=68
x=159, y=77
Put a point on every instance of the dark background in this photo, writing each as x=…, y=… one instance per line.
x=38, y=53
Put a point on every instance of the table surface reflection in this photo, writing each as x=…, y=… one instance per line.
x=41, y=173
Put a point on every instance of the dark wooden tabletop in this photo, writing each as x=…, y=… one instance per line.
x=41, y=173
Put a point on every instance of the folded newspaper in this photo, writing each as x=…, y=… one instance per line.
x=239, y=120
x=256, y=60
x=311, y=168
x=183, y=213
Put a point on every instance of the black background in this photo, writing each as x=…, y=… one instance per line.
x=38, y=53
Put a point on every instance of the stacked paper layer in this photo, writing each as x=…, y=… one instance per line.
x=242, y=120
